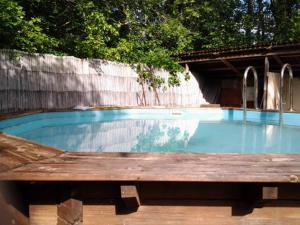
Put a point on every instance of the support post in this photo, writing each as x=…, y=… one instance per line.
x=266, y=71
x=129, y=199
x=270, y=193
x=70, y=212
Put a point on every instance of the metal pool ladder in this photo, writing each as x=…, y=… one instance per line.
x=281, y=103
x=245, y=90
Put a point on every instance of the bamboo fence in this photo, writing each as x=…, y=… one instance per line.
x=47, y=82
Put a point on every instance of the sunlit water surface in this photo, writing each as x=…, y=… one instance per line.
x=170, y=136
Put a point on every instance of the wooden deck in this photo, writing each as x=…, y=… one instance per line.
x=145, y=188
x=15, y=152
x=25, y=161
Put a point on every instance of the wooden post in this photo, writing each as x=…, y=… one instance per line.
x=70, y=212
x=266, y=71
x=270, y=193
x=129, y=199
x=187, y=68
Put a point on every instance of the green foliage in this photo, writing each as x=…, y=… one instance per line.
x=148, y=33
x=172, y=35
x=31, y=38
x=98, y=34
x=26, y=35
x=11, y=21
x=295, y=30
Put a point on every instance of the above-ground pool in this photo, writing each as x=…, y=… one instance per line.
x=161, y=130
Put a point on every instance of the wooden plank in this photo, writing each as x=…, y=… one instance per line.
x=183, y=167
x=16, y=152
x=190, y=214
x=43, y=214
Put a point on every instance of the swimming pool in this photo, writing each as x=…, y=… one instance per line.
x=160, y=130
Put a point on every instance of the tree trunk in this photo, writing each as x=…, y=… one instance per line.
x=154, y=86
x=249, y=22
x=261, y=22
x=144, y=95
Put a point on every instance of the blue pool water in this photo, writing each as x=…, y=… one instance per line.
x=161, y=130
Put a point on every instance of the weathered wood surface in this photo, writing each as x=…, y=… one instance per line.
x=167, y=203
x=6, y=116
x=186, y=167
x=270, y=193
x=174, y=214
x=69, y=212
x=15, y=152
x=129, y=200
x=190, y=215
x=11, y=215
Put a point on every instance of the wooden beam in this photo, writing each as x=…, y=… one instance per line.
x=211, y=59
x=70, y=212
x=241, y=68
x=229, y=65
x=286, y=53
x=289, y=56
x=9, y=214
x=194, y=59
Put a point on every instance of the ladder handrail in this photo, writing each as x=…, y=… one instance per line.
x=291, y=77
x=252, y=68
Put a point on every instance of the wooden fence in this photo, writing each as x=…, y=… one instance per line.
x=47, y=82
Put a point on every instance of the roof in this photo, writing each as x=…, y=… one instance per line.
x=237, y=59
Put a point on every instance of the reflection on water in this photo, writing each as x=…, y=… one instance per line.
x=174, y=139
x=117, y=136
x=170, y=135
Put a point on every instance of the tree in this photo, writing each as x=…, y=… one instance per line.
x=284, y=11
x=17, y=32
x=134, y=31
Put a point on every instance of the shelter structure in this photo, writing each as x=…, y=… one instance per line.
x=220, y=72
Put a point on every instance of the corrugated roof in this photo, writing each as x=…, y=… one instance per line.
x=267, y=47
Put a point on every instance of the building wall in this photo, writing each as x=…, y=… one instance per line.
x=35, y=81
x=231, y=94
x=274, y=88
